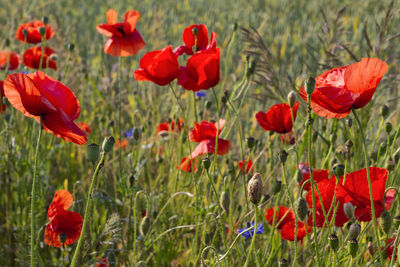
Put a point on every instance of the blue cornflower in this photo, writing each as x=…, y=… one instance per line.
x=128, y=133
x=249, y=234
x=200, y=94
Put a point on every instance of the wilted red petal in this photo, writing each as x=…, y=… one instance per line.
x=278, y=118
x=32, y=28
x=207, y=146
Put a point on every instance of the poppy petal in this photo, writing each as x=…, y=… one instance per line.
x=207, y=146
x=111, y=16
x=130, y=18
x=124, y=46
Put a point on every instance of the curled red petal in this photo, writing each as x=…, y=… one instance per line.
x=207, y=146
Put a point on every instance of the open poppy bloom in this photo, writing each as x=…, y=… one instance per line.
x=355, y=190
x=201, y=71
x=278, y=118
x=121, y=143
x=62, y=221
x=339, y=90
x=205, y=133
x=86, y=127
x=283, y=218
x=9, y=58
x=38, y=95
x=125, y=40
x=248, y=164
x=33, y=35
x=195, y=43
x=160, y=67
x=165, y=127
x=32, y=58
x=187, y=165
x=318, y=175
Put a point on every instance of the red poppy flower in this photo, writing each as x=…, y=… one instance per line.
x=32, y=58
x=390, y=242
x=326, y=187
x=38, y=95
x=278, y=118
x=10, y=58
x=198, y=43
x=355, y=190
x=187, y=165
x=205, y=134
x=170, y=126
x=160, y=67
x=339, y=90
x=248, y=164
x=86, y=127
x=318, y=175
x=2, y=106
x=201, y=71
x=283, y=218
x=121, y=144
x=62, y=221
x=125, y=40
x=32, y=28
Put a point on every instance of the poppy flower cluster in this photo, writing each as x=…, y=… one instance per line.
x=202, y=67
x=30, y=33
x=283, y=218
x=279, y=119
x=339, y=90
x=354, y=190
x=124, y=39
x=62, y=221
x=43, y=98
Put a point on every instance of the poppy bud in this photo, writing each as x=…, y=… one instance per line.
x=42, y=31
x=276, y=188
x=108, y=144
x=349, y=122
x=250, y=142
x=348, y=209
x=396, y=221
x=71, y=46
x=309, y=85
x=254, y=188
x=283, y=156
x=301, y=208
x=338, y=170
x=144, y=225
x=384, y=111
x=93, y=152
x=283, y=262
x=333, y=242
x=352, y=247
x=349, y=145
x=390, y=164
x=63, y=238
x=292, y=98
x=386, y=221
x=299, y=176
x=224, y=99
x=388, y=127
x=195, y=30
x=45, y=20
x=25, y=32
x=206, y=163
x=224, y=201
x=234, y=26
x=354, y=231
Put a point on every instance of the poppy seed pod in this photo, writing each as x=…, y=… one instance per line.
x=195, y=31
x=301, y=208
x=349, y=122
x=235, y=26
x=283, y=156
x=348, y=209
x=254, y=188
x=62, y=237
x=385, y=221
x=224, y=201
x=206, y=163
x=45, y=20
x=93, y=152
x=71, y=46
x=338, y=170
x=42, y=31
x=276, y=188
x=388, y=127
x=352, y=247
x=250, y=142
x=291, y=98
x=144, y=225
x=333, y=242
x=384, y=111
x=354, y=231
x=25, y=32
x=108, y=144
x=309, y=85
x=283, y=262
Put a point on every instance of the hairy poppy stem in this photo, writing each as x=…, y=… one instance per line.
x=33, y=195
x=373, y=215
x=89, y=200
x=254, y=236
x=42, y=51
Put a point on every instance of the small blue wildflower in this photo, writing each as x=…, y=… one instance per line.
x=200, y=94
x=128, y=133
x=249, y=234
x=26, y=72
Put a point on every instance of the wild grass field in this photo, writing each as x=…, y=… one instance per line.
x=158, y=173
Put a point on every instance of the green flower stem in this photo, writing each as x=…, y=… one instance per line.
x=309, y=124
x=89, y=200
x=42, y=51
x=33, y=195
x=254, y=236
x=366, y=159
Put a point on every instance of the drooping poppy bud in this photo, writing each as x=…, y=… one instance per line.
x=386, y=221
x=254, y=188
x=348, y=209
x=301, y=209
